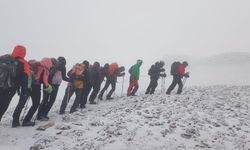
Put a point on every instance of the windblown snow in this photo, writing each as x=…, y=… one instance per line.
x=212, y=117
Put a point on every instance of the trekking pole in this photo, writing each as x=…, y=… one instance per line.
x=122, y=85
x=184, y=81
x=162, y=84
x=164, y=81
x=68, y=90
x=25, y=108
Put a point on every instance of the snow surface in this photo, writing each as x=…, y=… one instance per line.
x=212, y=117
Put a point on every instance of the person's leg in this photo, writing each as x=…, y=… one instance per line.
x=130, y=87
x=107, y=83
x=96, y=89
x=35, y=96
x=113, y=85
x=136, y=87
x=68, y=93
x=86, y=92
x=154, y=85
x=21, y=104
x=75, y=105
x=43, y=105
x=149, y=87
x=6, y=96
x=180, y=84
x=172, y=86
x=51, y=101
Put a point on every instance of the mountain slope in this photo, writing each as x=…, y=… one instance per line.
x=224, y=69
x=213, y=117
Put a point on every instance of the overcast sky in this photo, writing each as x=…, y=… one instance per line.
x=124, y=30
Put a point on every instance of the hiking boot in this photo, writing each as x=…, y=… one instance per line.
x=39, y=117
x=100, y=97
x=43, y=118
x=28, y=123
x=46, y=117
x=15, y=123
x=92, y=103
x=73, y=110
x=82, y=106
x=62, y=112
x=109, y=98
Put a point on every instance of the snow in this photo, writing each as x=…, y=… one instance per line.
x=204, y=117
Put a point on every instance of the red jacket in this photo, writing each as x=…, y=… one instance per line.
x=181, y=69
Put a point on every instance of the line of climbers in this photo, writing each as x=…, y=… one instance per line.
x=27, y=78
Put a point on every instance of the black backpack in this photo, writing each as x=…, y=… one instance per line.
x=174, y=67
x=150, y=71
x=8, y=68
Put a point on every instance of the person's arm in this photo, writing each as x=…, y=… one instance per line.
x=120, y=74
x=79, y=77
x=163, y=75
x=64, y=77
x=70, y=74
x=162, y=72
x=45, y=78
x=52, y=72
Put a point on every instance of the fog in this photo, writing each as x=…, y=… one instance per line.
x=114, y=30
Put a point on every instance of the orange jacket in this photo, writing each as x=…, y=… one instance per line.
x=20, y=52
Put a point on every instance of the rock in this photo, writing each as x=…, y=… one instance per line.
x=63, y=127
x=216, y=124
x=37, y=147
x=165, y=132
x=186, y=136
x=139, y=113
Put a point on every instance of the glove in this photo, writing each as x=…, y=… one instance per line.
x=123, y=74
x=164, y=75
x=162, y=70
x=186, y=75
x=49, y=89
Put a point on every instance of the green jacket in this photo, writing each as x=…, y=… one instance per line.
x=135, y=71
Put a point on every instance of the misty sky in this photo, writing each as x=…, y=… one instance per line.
x=124, y=30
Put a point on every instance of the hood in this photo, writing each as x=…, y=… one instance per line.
x=62, y=60
x=139, y=62
x=46, y=62
x=19, y=51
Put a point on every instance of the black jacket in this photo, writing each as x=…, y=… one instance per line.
x=53, y=70
x=155, y=72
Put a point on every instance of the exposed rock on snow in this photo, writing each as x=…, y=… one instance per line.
x=215, y=117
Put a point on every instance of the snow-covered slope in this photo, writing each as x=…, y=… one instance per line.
x=215, y=117
x=223, y=69
x=230, y=58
